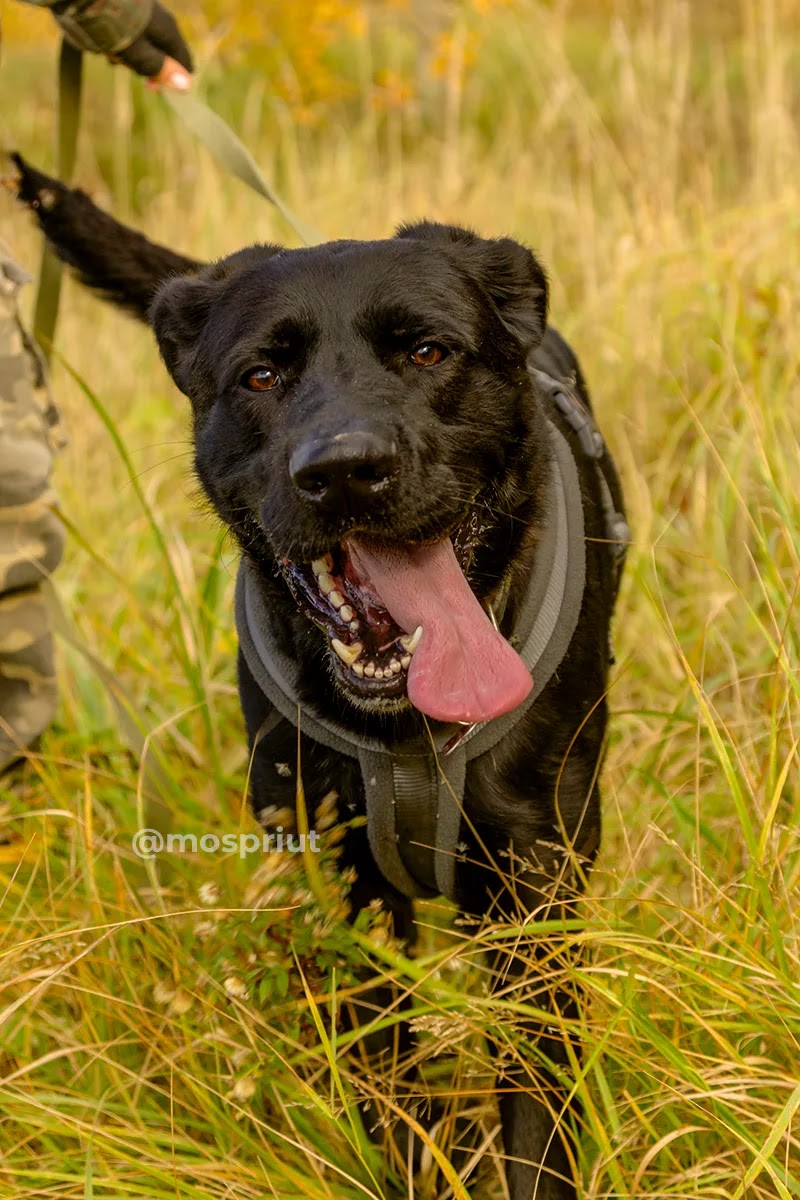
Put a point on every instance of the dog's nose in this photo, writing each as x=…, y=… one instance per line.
x=354, y=466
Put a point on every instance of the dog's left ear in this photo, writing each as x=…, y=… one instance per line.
x=509, y=273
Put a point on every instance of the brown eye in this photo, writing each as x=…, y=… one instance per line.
x=428, y=354
x=263, y=379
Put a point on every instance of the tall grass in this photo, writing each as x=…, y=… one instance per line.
x=170, y=1029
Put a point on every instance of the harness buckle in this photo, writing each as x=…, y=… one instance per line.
x=455, y=740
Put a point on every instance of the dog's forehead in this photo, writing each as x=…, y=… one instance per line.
x=337, y=283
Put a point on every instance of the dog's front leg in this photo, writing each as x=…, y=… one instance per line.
x=381, y=1058
x=377, y=1057
x=532, y=970
x=536, y=1120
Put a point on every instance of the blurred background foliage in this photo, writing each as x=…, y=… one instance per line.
x=306, y=50
x=293, y=77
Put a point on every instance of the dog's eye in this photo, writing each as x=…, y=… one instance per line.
x=263, y=379
x=428, y=354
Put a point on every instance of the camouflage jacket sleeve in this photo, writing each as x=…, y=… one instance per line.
x=101, y=26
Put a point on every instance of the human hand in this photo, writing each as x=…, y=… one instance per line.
x=159, y=52
x=171, y=75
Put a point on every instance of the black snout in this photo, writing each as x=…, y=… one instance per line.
x=344, y=469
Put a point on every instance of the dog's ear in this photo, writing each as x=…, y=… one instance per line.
x=178, y=316
x=509, y=273
x=182, y=306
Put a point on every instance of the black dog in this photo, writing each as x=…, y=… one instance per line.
x=405, y=453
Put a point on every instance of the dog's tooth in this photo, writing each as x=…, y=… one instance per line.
x=405, y=661
x=322, y=566
x=410, y=641
x=369, y=670
x=336, y=599
x=358, y=668
x=345, y=612
x=354, y=626
x=379, y=672
x=348, y=654
x=326, y=584
x=395, y=667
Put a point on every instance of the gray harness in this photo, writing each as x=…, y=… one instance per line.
x=415, y=789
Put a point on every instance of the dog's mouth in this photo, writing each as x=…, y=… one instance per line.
x=402, y=622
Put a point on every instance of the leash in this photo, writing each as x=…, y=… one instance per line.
x=202, y=122
x=232, y=155
x=51, y=268
x=415, y=790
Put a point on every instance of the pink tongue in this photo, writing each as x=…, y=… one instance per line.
x=462, y=669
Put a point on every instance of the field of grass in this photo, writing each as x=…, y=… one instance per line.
x=168, y=1029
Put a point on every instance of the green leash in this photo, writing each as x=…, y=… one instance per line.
x=48, y=293
x=234, y=157
x=201, y=121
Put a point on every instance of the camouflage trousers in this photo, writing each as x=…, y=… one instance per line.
x=31, y=535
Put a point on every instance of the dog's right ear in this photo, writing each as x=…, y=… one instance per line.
x=182, y=306
x=178, y=316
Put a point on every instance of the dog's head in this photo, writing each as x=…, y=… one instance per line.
x=364, y=416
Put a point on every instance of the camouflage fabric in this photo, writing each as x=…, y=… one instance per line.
x=102, y=26
x=31, y=535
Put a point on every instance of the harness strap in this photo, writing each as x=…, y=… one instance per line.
x=550, y=612
x=414, y=816
x=593, y=445
x=414, y=791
